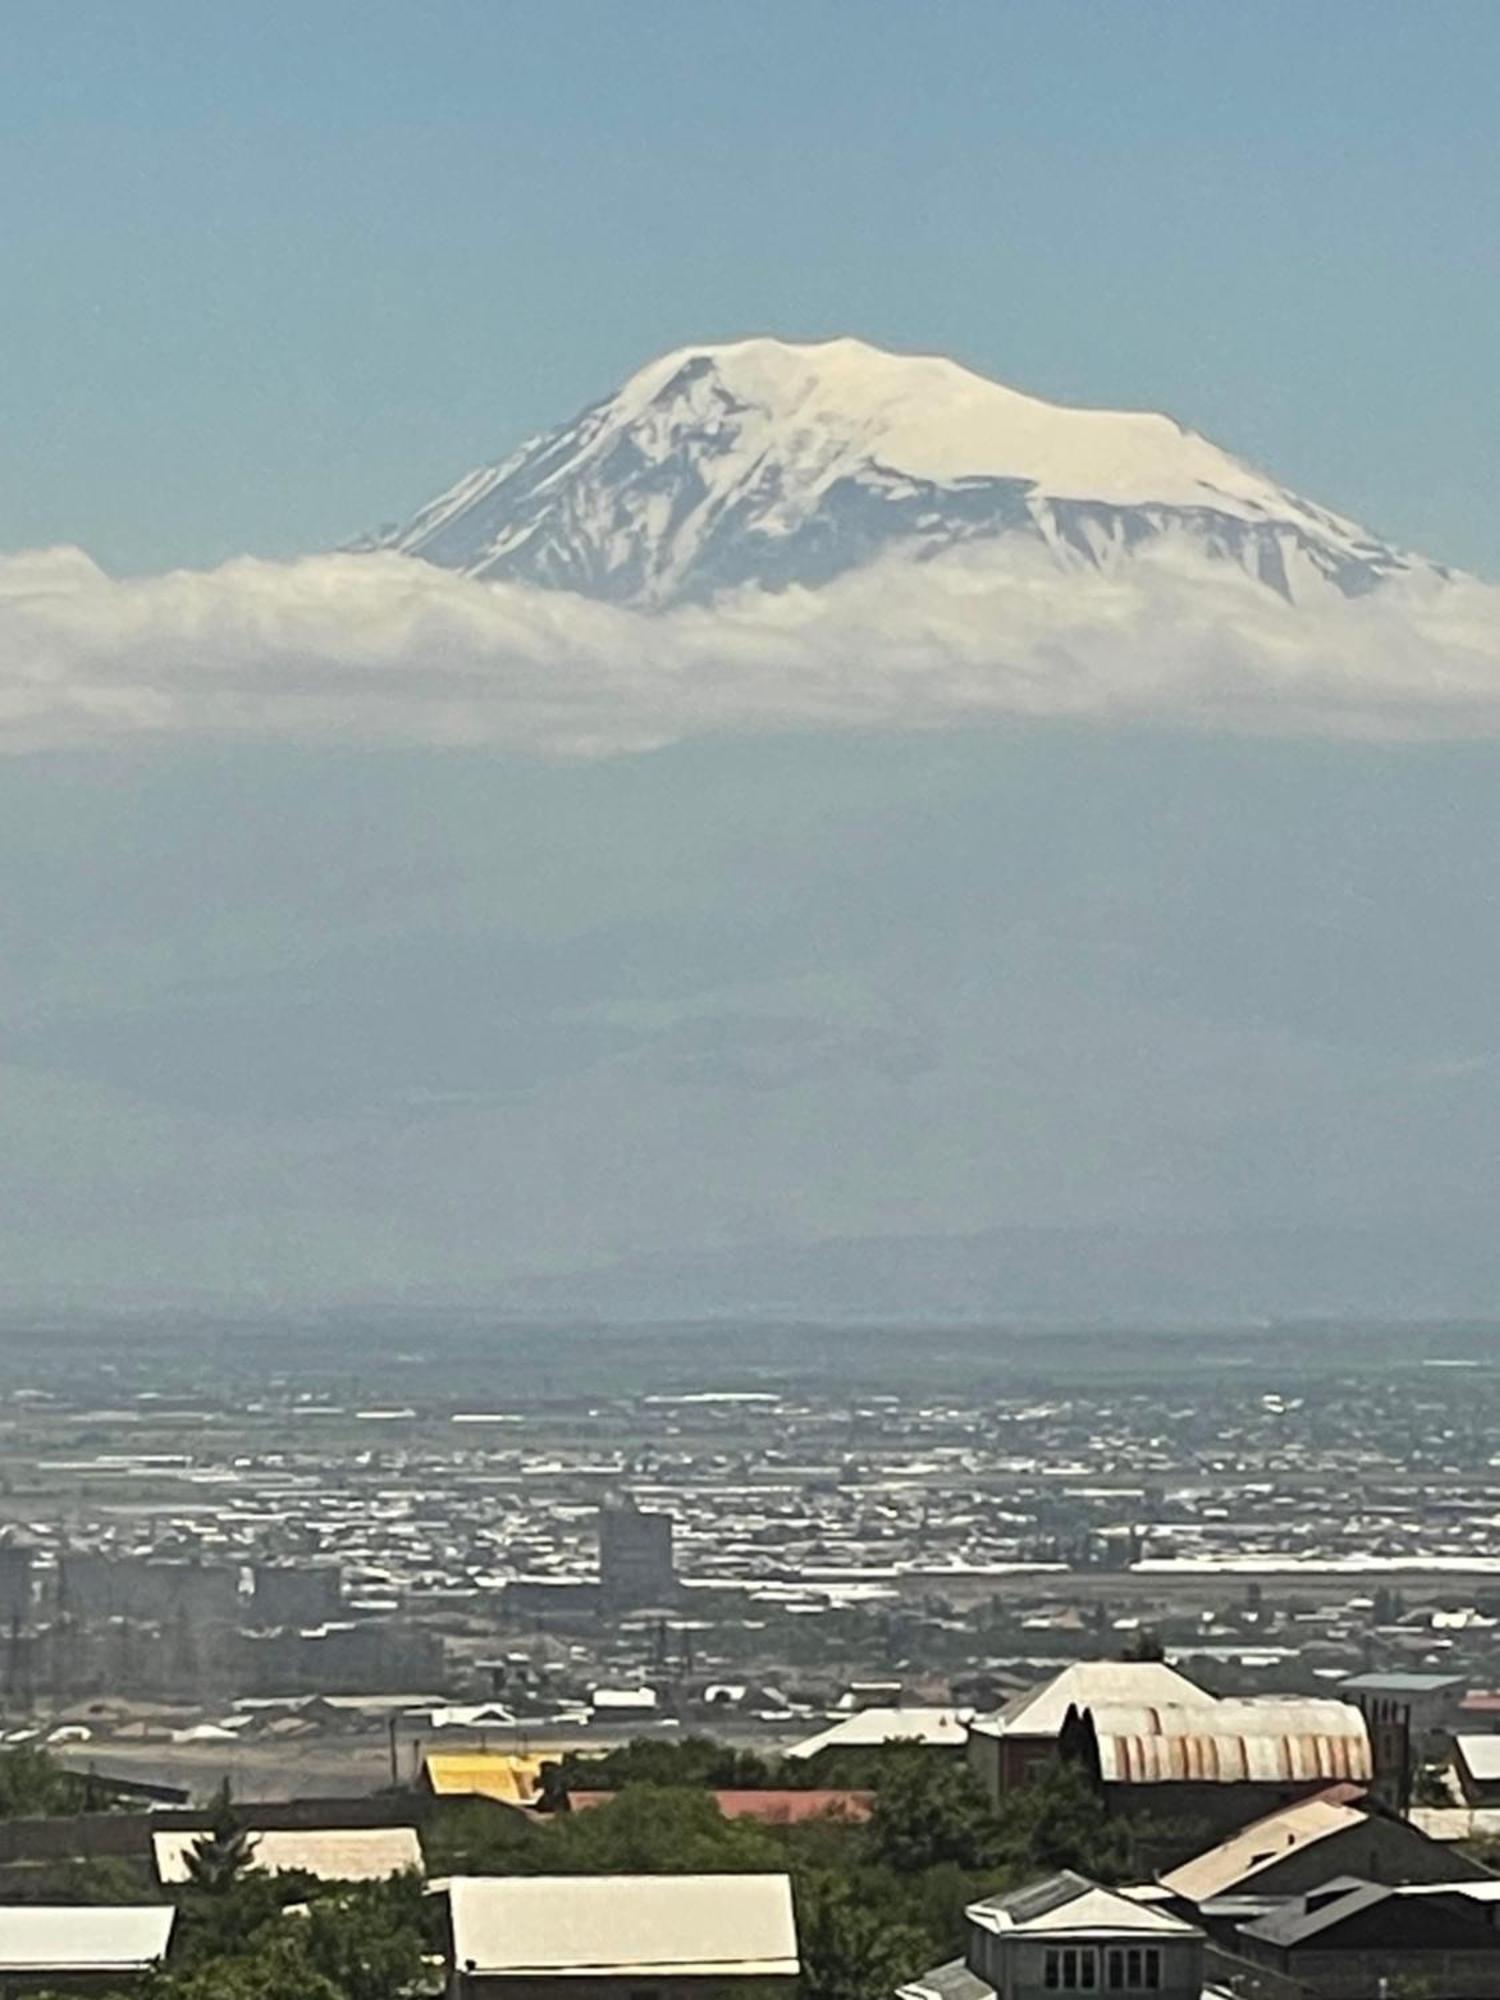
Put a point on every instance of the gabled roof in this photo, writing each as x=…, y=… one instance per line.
x=642, y=1926
x=1042, y=1711
x=1070, y=1903
x=1221, y=1870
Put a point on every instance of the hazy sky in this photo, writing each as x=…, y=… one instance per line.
x=276, y=273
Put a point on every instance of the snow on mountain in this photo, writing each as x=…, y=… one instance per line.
x=764, y=462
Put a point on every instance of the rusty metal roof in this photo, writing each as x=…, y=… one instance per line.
x=1233, y=1742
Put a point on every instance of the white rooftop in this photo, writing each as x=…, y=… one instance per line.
x=333, y=1854
x=1092, y=1909
x=643, y=1926
x=868, y=1728
x=1482, y=1756
x=1087, y=1684
x=113, y=1937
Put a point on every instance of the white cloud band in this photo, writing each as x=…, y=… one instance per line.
x=381, y=648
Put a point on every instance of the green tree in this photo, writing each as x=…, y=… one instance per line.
x=1061, y=1822
x=223, y=1853
x=930, y=1810
x=695, y=1760
x=653, y=1830
x=34, y=1784
x=852, y=1950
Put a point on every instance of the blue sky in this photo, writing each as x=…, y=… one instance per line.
x=276, y=273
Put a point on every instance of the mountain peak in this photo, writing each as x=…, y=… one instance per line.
x=771, y=462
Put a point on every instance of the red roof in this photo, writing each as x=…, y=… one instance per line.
x=774, y=1808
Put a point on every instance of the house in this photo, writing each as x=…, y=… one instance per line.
x=332, y=1854
x=621, y=1937
x=1349, y=1938
x=1476, y=1765
x=874, y=1728
x=1220, y=1764
x=1067, y=1935
x=71, y=1948
x=1301, y=1846
x=1018, y=1744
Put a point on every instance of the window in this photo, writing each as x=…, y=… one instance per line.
x=1070, y=1969
x=1132, y=1969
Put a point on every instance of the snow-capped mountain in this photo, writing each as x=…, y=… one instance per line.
x=764, y=462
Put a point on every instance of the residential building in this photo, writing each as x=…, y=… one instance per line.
x=1301, y=1846
x=1066, y=1935
x=1350, y=1939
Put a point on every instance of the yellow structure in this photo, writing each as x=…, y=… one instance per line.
x=513, y=1779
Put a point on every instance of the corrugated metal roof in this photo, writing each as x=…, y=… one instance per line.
x=119, y=1937
x=714, y=1926
x=1234, y=1742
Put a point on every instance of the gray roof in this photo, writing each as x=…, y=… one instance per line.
x=1069, y=1902
x=953, y=1981
x=1403, y=1683
x=1339, y=1898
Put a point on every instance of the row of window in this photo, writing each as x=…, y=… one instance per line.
x=1116, y=1968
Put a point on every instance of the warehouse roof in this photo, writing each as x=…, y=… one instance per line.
x=114, y=1937
x=1232, y=1742
x=646, y=1926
